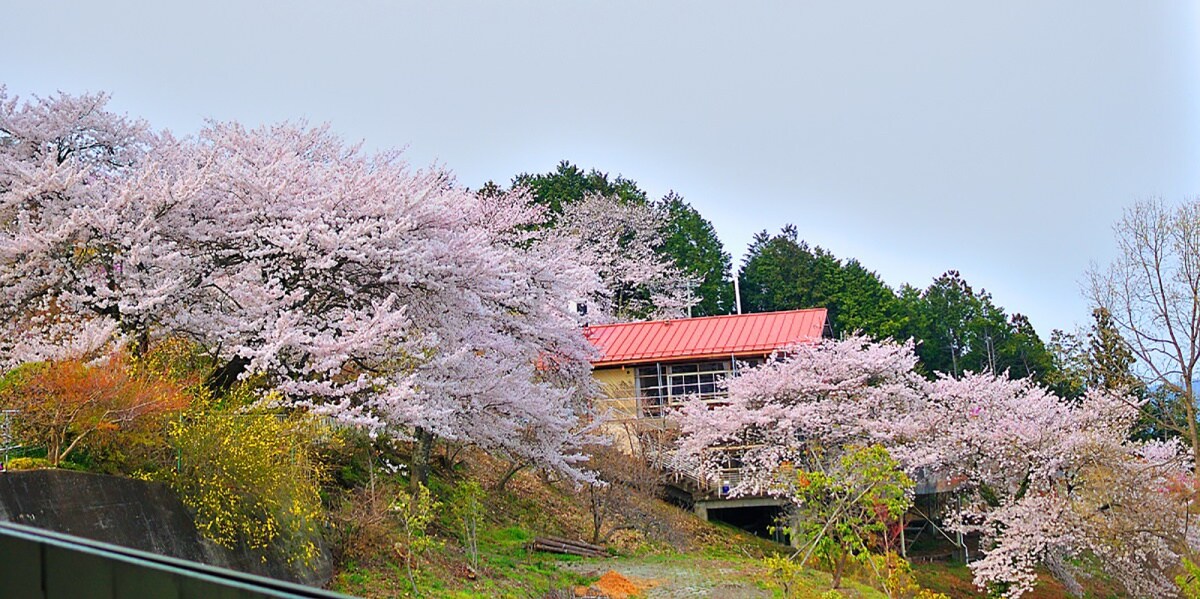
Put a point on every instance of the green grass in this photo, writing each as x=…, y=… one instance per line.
x=507, y=569
x=955, y=580
x=714, y=554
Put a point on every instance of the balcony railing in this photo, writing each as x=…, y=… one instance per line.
x=681, y=470
x=629, y=407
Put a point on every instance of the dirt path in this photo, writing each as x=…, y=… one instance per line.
x=678, y=579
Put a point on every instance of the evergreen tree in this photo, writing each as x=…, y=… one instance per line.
x=569, y=184
x=865, y=304
x=1097, y=358
x=781, y=272
x=1068, y=376
x=687, y=239
x=1110, y=362
x=960, y=330
x=692, y=243
x=957, y=329
x=941, y=323
x=1023, y=354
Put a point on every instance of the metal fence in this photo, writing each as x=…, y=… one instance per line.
x=39, y=564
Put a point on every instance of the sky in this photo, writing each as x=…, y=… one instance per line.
x=998, y=139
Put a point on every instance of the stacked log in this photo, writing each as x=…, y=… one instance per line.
x=567, y=546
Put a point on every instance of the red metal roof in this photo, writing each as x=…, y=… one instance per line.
x=707, y=337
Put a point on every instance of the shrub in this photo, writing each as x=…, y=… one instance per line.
x=1189, y=580
x=897, y=579
x=27, y=464
x=784, y=574
x=617, y=497
x=363, y=526
x=844, y=506
x=466, y=514
x=251, y=480
x=72, y=406
x=414, y=512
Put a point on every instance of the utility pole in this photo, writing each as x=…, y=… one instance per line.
x=737, y=294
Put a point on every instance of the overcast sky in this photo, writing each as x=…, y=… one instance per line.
x=999, y=140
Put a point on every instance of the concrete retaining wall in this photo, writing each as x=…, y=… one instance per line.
x=136, y=514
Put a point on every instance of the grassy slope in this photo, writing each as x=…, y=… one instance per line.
x=955, y=581
x=710, y=556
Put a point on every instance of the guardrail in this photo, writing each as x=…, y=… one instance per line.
x=41, y=564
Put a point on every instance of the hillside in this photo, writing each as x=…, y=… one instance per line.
x=683, y=557
x=679, y=556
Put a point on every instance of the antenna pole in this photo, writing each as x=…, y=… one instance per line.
x=737, y=294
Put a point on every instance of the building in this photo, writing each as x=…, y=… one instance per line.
x=647, y=368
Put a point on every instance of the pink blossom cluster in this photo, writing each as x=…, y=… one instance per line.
x=384, y=295
x=620, y=240
x=1045, y=482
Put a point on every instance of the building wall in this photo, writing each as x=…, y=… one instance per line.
x=620, y=403
x=617, y=386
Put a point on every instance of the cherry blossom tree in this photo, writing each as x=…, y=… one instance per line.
x=359, y=287
x=380, y=294
x=1049, y=483
x=619, y=242
x=1046, y=483
x=827, y=394
x=64, y=165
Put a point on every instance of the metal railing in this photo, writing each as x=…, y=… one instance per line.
x=687, y=472
x=40, y=564
x=639, y=407
x=653, y=413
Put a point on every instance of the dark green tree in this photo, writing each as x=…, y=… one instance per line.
x=960, y=330
x=569, y=183
x=957, y=329
x=689, y=241
x=781, y=272
x=940, y=321
x=864, y=303
x=1109, y=365
x=692, y=244
x=1110, y=362
x=1097, y=358
x=1022, y=353
x=1068, y=377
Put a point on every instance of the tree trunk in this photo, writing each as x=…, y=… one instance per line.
x=597, y=511
x=838, y=568
x=1193, y=433
x=224, y=377
x=140, y=344
x=59, y=453
x=422, y=454
x=52, y=450
x=512, y=471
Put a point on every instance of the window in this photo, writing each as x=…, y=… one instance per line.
x=664, y=386
x=650, y=391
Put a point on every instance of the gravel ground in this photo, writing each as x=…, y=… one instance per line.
x=692, y=579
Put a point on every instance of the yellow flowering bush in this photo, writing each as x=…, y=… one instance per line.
x=252, y=479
